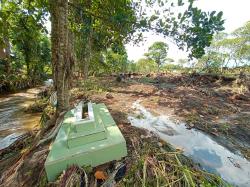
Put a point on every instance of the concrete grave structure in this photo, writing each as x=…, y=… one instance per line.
x=88, y=141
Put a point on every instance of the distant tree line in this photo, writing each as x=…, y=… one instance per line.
x=228, y=51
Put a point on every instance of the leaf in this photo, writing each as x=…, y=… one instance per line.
x=180, y=3
x=179, y=15
x=101, y=175
x=219, y=15
x=212, y=13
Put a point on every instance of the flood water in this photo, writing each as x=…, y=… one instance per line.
x=13, y=120
x=200, y=147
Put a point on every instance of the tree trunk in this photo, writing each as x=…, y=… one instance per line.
x=27, y=62
x=7, y=52
x=60, y=52
x=6, y=45
x=84, y=38
x=88, y=56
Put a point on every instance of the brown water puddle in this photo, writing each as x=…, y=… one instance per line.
x=13, y=119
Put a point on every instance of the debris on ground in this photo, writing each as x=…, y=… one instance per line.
x=213, y=104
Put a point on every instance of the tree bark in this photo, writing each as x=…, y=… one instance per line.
x=88, y=55
x=84, y=38
x=7, y=52
x=61, y=58
x=27, y=62
x=6, y=45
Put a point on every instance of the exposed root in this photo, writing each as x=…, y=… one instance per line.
x=21, y=173
x=53, y=132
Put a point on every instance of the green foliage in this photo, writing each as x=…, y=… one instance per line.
x=110, y=61
x=38, y=106
x=198, y=29
x=145, y=65
x=227, y=50
x=116, y=61
x=132, y=67
x=158, y=52
x=101, y=24
x=187, y=25
x=23, y=35
x=171, y=67
x=210, y=62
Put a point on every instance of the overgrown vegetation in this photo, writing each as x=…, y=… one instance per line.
x=24, y=44
x=84, y=52
x=156, y=166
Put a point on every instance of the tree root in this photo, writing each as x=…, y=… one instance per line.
x=25, y=166
x=53, y=132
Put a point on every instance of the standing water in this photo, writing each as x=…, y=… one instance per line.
x=195, y=144
x=13, y=120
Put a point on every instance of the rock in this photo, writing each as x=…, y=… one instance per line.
x=109, y=96
x=190, y=126
x=215, y=132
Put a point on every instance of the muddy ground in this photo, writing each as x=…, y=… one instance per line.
x=216, y=105
x=219, y=106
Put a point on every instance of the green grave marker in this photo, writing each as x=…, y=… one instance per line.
x=92, y=141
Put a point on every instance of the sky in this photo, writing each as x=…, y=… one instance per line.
x=235, y=12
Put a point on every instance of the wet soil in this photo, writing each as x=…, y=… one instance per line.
x=199, y=146
x=215, y=106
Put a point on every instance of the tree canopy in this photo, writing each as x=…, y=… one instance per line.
x=89, y=35
x=24, y=44
x=228, y=50
x=158, y=53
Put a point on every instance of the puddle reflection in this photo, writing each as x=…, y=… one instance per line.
x=197, y=145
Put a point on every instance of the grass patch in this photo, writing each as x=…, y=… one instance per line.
x=166, y=166
x=192, y=118
x=147, y=80
x=38, y=106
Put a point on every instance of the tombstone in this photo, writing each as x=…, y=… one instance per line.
x=85, y=140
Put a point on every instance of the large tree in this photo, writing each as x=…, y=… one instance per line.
x=61, y=54
x=158, y=53
x=24, y=44
x=228, y=49
x=103, y=23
